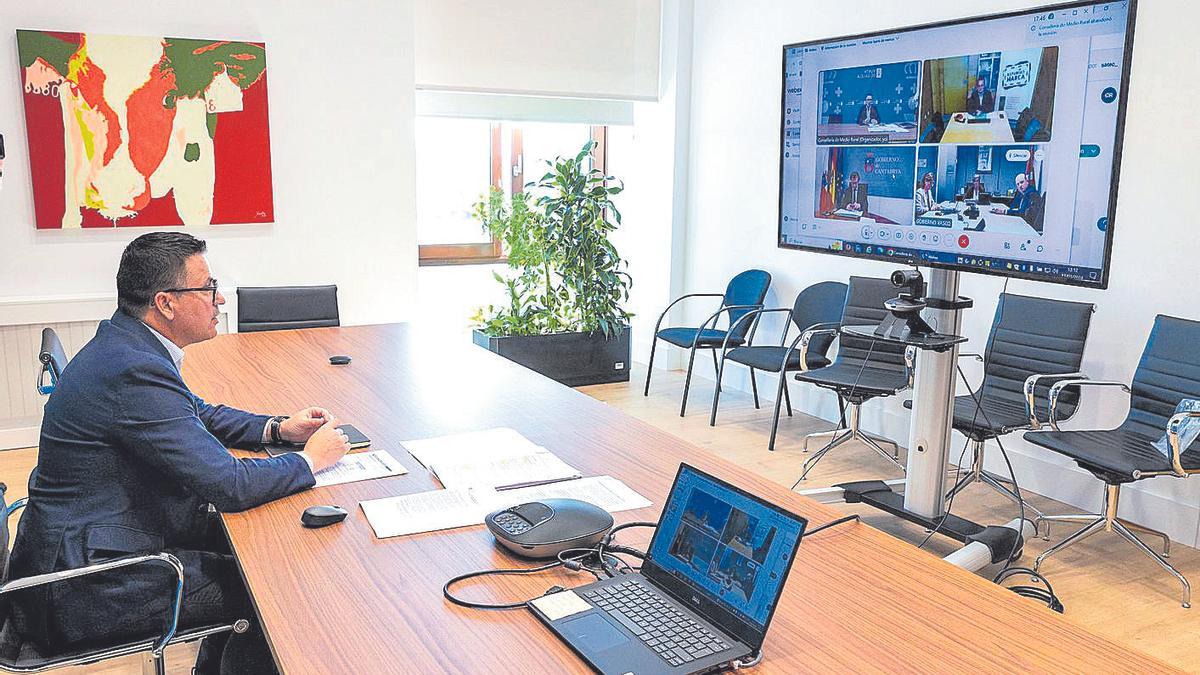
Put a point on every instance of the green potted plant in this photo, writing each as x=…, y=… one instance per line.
x=566, y=282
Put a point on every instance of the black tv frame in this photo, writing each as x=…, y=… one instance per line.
x=1119, y=141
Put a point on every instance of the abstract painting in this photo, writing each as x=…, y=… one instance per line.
x=145, y=131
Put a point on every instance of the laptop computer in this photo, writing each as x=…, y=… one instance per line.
x=707, y=590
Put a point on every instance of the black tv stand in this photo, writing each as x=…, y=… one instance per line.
x=936, y=342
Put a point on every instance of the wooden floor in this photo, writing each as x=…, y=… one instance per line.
x=1105, y=584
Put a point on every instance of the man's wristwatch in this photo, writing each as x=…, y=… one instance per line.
x=273, y=426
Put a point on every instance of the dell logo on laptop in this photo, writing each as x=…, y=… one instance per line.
x=695, y=600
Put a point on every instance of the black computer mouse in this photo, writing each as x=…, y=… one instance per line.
x=320, y=516
x=339, y=359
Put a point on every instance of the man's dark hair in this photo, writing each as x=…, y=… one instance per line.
x=151, y=263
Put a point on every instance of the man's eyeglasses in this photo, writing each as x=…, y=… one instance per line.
x=210, y=288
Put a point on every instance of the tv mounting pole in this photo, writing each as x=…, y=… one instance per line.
x=932, y=349
x=933, y=403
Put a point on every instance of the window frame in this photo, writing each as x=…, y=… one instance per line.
x=492, y=252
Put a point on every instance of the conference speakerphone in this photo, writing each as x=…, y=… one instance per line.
x=546, y=528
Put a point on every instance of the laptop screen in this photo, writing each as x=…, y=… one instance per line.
x=725, y=544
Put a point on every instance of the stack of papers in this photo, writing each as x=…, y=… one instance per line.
x=494, y=458
x=445, y=509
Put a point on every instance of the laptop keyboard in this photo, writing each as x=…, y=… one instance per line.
x=673, y=635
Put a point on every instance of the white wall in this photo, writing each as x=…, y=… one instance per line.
x=732, y=203
x=654, y=169
x=340, y=78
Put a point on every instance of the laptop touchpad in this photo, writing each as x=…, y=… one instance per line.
x=593, y=632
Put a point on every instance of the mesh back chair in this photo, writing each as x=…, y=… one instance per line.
x=818, y=306
x=53, y=359
x=744, y=293
x=1168, y=372
x=1034, y=342
x=285, y=307
x=863, y=369
x=18, y=655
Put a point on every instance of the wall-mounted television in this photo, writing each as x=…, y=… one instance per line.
x=990, y=144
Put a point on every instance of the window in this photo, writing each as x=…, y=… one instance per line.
x=458, y=159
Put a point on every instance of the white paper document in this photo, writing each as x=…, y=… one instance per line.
x=606, y=492
x=445, y=509
x=427, y=511
x=360, y=466
x=535, y=468
x=470, y=447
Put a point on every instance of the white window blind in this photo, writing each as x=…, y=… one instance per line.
x=571, y=48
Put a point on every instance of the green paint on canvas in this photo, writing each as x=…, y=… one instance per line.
x=35, y=44
x=196, y=62
x=211, y=121
x=191, y=152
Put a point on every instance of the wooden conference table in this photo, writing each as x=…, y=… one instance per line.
x=338, y=600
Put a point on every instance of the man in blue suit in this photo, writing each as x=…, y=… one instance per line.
x=129, y=461
x=1024, y=201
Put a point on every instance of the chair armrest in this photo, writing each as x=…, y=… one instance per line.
x=1056, y=391
x=680, y=299
x=910, y=365
x=973, y=355
x=787, y=355
x=45, y=380
x=16, y=506
x=1173, y=440
x=806, y=338
x=712, y=318
x=755, y=314
x=108, y=565
x=1031, y=386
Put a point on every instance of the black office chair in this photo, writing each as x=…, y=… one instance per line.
x=53, y=359
x=863, y=369
x=744, y=293
x=1034, y=342
x=284, y=307
x=18, y=655
x=1035, y=215
x=1168, y=372
x=818, y=306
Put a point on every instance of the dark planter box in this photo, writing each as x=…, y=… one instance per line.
x=575, y=359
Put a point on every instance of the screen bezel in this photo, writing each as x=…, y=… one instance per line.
x=696, y=599
x=1118, y=143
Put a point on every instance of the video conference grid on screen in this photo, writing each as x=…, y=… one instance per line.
x=986, y=144
x=727, y=544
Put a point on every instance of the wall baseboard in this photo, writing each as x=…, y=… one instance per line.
x=74, y=319
x=19, y=436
